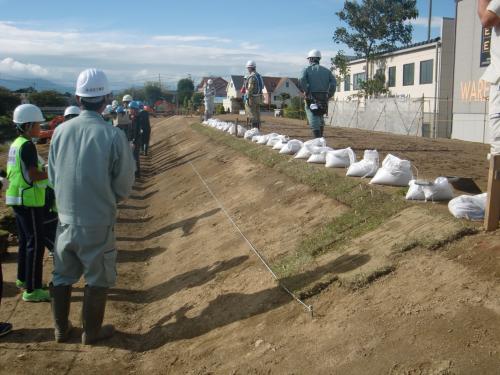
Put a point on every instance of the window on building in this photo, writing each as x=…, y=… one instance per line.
x=287, y=84
x=392, y=77
x=357, y=79
x=426, y=71
x=275, y=98
x=347, y=83
x=408, y=74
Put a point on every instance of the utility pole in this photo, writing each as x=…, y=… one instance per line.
x=429, y=22
x=159, y=79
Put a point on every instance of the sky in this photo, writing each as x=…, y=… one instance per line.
x=134, y=41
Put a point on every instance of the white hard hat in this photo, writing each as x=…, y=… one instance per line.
x=72, y=110
x=115, y=103
x=210, y=81
x=92, y=83
x=127, y=98
x=314, y=53
x=251, y=64
x=27, y=113
x=107, y=110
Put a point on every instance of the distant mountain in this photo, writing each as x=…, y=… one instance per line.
x=39, y=84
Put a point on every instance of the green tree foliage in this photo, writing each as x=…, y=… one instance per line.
x=375, y=26
x=284, y=97
x=341, y=67
x=185, y=89
x=48, y=99
x=295, y=109
x=152, y=92
x=197, y=99
x=374, y=87
x=8, y=101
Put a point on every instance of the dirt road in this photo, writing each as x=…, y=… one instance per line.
x=192, y=298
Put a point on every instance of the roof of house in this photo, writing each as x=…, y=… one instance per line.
x=238, y=82
x=270, y=83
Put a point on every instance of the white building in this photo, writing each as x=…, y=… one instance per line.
x=470, y=99
x=422, y=72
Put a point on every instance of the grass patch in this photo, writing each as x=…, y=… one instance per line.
x=369, y=206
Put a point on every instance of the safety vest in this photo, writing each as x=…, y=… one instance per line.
x=260, y=84
x=20, y=192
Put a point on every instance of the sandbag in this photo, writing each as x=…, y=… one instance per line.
x=275, y=139
x=307, y=149
x=281, y=143
x=249, y=134
x=415, y=192
x=318, y=155
x=291, y=147
x=470, y=207
x=366, y=167
x=340, y=158
x=394, y=172
x=263, y=139
x=256, y=138
x=241, y=130
x=440, y=190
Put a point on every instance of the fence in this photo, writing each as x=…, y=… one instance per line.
x=425, y=116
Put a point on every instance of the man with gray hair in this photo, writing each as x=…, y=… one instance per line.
x=91, y=168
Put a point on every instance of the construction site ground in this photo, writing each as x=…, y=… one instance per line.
x=416, y=292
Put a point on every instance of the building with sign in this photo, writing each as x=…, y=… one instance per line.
x=470, y=93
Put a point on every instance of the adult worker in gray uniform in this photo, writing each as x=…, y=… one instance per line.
x=91, y=168
x=209, y=93
x=318, y=85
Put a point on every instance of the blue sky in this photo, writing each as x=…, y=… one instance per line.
x=135, y=41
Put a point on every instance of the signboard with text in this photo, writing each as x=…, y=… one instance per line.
x=485, y=47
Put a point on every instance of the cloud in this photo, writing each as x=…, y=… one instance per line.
x=249, y=46
x=190, y=38
x=423, y=21
x=11, y=66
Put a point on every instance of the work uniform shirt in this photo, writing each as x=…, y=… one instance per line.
x=29, y=159
x=144, y=123
x=492, y=73
x=91, y=168
x=318, y=79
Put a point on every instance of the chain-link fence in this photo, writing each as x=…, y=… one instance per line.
x=425, y=116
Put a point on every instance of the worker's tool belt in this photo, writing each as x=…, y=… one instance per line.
x=317, y=102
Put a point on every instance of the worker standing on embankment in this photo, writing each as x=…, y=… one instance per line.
x=91, y=168
x=318, y=85
x=253, y=94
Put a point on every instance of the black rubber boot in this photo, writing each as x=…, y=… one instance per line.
x=60, y=297
x=317, y=133
x=94, y=306
x=321, y=130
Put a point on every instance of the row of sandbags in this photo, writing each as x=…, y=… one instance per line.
x=393, y=172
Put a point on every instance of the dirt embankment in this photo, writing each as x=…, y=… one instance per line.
x=192, y=298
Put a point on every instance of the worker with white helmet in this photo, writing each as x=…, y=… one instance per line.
x=71, y=112
x=209, y=92
x=126, y=100
x=252, y=91
x=26, y=195
x=318, y=85
x=88, y=185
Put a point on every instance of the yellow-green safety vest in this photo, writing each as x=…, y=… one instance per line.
x=21, y=192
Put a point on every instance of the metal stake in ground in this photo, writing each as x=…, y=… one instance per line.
x=309, y=308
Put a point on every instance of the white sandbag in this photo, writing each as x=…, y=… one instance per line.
x=394, y=172
x=340, y=158
x=275, y=139
x=263, y=139
x=241, y=130
x=318, y=155
x=318, y=142
x=470, y=207
x=256, y=138
x=281, y=143
x=249, y=134
x=415, y=192
x=440, y=190
x=304, y=152
x=291, y=147
x=366, y=167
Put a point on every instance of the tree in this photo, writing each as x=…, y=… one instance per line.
x=341, y=67
x=152, y=92
x=48, y=99
x=375, y=26
x=374, y=87
x=197, y=99
x=8, y=101
x=284, y=96
x=185, y=89
x=296, y=108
